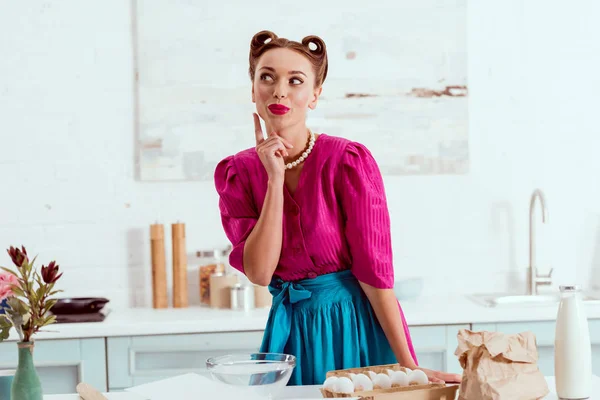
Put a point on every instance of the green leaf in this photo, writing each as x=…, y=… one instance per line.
x=55, y=292
x=38, y=279
x=26, y=319
x=10, y=271
x=50, y=319
x=38, y=321
x=32, y=296
x=49, y=304
x=32, y=262
x=40, y=292
x=17, y=305
x=4, y=321
x=25, y=271
x=23, y=287
x=4, y=333
x=17, y=291
x=16, y=320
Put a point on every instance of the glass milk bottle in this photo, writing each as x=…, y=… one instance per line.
x=572, y=347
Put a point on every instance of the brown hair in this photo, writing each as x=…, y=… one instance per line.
x=266, y=40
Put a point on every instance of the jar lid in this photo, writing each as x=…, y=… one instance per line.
x=570, y=288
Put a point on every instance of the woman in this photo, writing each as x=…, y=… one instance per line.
x=307, y=215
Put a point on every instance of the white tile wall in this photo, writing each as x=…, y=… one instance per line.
x=67, y=154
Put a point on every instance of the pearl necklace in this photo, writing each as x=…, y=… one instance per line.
x=305, y=154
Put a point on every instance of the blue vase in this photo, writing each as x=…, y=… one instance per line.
x=26, y=384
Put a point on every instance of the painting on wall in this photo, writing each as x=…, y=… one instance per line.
x=397, y=81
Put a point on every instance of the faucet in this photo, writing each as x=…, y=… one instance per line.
x=536, y=280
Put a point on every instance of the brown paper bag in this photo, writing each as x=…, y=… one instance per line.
x=499, y=366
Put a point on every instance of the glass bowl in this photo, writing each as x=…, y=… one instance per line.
x=265, y=373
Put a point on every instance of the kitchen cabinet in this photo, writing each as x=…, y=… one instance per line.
x=141, y=359
x=117, y=362
x=136, y=360
x=544, y=332
x=62, y=364
x=435, y=346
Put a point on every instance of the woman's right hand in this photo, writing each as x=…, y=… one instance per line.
x=271, y=151
x=440, y=376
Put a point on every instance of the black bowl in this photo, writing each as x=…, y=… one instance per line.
x=78, y=305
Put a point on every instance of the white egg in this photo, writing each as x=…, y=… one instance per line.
x=390, y=372
x=344, y=385
x=359, y=376
x=382, y=381
x=407, y=370
x=352, y=375
x=399, y=378
x=331, y=383
x=372, y=375
x=362, y=383
x=418, y=377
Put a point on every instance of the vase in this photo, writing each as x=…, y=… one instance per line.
x=26, y=383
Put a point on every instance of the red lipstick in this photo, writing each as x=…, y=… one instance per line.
x=278, y=109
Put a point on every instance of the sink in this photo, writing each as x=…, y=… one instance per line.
x=509, y=299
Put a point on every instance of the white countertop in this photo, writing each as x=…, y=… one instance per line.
x=425, y=311
x=311, y=392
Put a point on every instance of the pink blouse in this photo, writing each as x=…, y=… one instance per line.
x=336, y=219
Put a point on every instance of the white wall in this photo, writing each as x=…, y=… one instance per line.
x=67, y=154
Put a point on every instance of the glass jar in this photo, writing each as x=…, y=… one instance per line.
x=212, y=262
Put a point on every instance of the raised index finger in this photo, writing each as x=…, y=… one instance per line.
x=258, y=130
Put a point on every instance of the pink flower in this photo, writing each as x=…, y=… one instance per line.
x=6, y=283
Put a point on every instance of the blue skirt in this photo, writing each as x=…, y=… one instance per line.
x=327, y=323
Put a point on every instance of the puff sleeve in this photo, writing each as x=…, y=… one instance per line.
x=367, y=221
x=238, y=213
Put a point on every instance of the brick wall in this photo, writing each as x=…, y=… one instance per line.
x=67, y=154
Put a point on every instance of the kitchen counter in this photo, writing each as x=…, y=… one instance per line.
x=424, y=311
x=312, y=392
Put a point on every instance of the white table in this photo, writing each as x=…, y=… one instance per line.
x=307, y=393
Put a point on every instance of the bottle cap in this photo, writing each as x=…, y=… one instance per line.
x=570, y=288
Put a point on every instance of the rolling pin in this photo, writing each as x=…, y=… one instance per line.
x=88, y=392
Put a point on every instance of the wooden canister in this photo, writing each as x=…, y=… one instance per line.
x=180, y=289
x=220, y=289
x=262, y=297
x=159, y=268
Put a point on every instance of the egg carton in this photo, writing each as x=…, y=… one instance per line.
x=430, y=391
